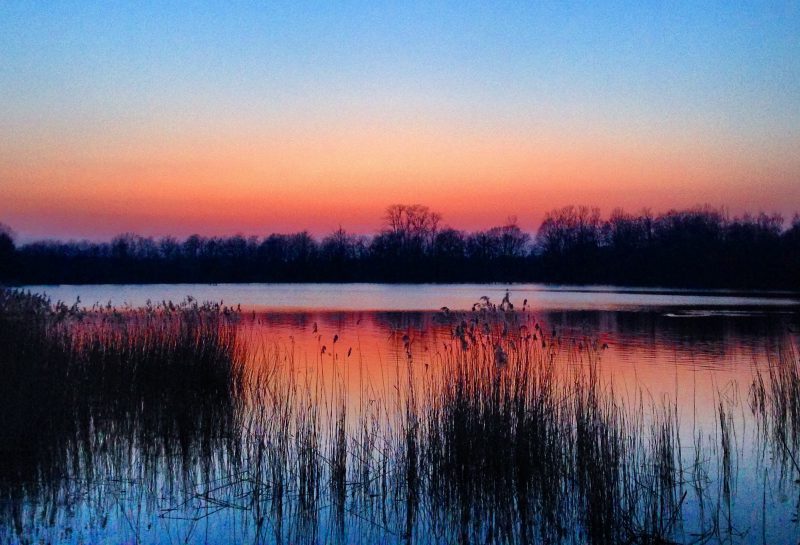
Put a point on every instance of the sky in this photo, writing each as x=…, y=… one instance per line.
x=168, y=118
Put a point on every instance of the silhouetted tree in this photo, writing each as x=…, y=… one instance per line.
x=449, y=244
x=699, y=246
x=7, y=253
x=447, y=256
x=403, y=247
x=342, y=255
x=413, y=224
x=569, y=239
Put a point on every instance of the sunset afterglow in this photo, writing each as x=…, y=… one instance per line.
x=278, y=118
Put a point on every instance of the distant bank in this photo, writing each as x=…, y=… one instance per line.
x=698, y=247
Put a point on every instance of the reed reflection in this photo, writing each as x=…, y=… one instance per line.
x=496, y=425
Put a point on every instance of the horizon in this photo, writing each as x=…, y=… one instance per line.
x=201, y=119
x=788, y=222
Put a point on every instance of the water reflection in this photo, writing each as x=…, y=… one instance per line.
x=425, y=297
x=714, y=342
x=266, y=463
x=687, y=359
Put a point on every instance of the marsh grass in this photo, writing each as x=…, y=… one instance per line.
x=508, y=434
x=83, y=390
x=774, y=398
x=519, y=447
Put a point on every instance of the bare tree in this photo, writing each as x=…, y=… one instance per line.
x=413, y=225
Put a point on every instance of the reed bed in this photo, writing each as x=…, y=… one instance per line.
x=519, y=440
x=99, y=394
x=507, y=434
x=496, y=441
x=775, y=402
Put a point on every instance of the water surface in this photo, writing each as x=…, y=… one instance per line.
x=696, y=349
x=407, y=297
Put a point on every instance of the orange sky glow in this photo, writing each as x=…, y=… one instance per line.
x=319, y=180
x=165, y=120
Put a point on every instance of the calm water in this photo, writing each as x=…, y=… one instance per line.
x=408, y=297
x=696, y=348
x=658, y=338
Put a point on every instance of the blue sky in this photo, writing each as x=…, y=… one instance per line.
x=83, y=84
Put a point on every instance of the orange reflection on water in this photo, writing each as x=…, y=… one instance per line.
x=647, y=357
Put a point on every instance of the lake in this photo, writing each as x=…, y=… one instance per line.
x=685, y=361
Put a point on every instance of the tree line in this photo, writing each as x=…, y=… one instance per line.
x=697, y=247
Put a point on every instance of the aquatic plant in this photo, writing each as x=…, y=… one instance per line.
x=507, y=433
x=163, y=381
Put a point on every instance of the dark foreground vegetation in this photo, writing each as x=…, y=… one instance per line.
x=699, y=247
x=80, y=389
x=156, y=425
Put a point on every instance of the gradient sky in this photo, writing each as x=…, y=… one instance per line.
x=263, y=117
